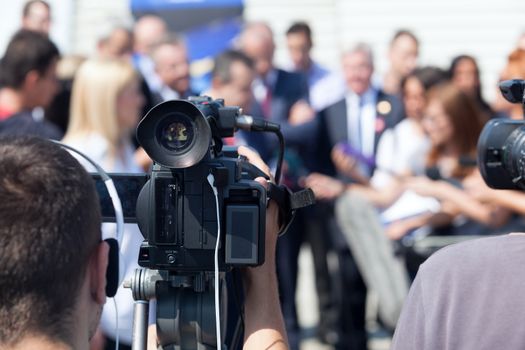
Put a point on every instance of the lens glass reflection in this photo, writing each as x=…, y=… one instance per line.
x=177, y=135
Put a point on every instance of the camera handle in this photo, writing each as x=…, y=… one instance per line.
x=185, y=309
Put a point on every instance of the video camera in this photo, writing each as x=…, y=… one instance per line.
x=196, y=189
x=501, y=145
x=176, y=208
x=174, y=205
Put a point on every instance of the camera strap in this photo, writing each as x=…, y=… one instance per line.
x=288, y=203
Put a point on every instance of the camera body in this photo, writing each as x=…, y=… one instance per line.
x=501, y=145
x=177, y=214
x=177, y=210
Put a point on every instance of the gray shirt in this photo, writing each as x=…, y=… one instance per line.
x=467, y=296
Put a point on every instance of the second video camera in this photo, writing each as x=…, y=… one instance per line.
x=501, y=146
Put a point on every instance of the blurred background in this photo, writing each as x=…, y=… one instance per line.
x=487, y=30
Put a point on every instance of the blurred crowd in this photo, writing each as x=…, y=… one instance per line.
x=391, y=159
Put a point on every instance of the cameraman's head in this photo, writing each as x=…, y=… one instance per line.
x=28, y=69
x=52, y=280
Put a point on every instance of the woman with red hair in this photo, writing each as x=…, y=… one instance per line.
x=453, y=124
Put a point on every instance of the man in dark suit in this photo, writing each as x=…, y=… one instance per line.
x=281, y=97
x=358, y=121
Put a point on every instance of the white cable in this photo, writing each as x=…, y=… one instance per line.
x=211, y=181
x=117, y=340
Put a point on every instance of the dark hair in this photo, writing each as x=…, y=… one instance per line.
x=302, y=28
x=465, y=120
x=49, y=226
x=403, y=32
x=428, y=77
x=223, y=63
x=30, y=3
x=482, y=104
x=28, y=50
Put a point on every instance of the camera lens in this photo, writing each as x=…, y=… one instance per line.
x=177, y=135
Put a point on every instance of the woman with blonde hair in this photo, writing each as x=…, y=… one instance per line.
x=105, y=108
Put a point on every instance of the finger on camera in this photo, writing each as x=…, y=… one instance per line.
x=254, y=158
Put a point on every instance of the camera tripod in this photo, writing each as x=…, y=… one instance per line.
x=185, y=312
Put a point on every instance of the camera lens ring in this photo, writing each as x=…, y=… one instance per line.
x=513, y=159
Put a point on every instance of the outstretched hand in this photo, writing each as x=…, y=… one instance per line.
x=324, y=187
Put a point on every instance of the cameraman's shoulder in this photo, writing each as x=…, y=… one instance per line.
x=473, y=254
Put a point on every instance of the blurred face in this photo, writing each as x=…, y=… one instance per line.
x=260, y=51
x=465, y=77
x=357, y=71
x=238, y=91
x=119, y=44
x=44, y=88
x=38, y=19
x=148, y=32
x=299, y=49
x=173, y=67
x=129, y=105
x=414, y=99
x=403, y=55
x=436, y=124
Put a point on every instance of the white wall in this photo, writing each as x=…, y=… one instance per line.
x=487, y=30
x=93, y=17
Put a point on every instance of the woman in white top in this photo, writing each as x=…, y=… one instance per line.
x=105, y=109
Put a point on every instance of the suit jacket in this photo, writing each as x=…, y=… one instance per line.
x=288, y=88
x=332, y=127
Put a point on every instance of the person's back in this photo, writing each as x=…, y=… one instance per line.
x=467, y=296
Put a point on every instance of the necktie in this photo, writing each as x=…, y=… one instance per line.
x=267, y=103
x=357, y=139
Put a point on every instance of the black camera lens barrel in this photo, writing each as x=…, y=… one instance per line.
x=175, y=134
x=514, y=156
